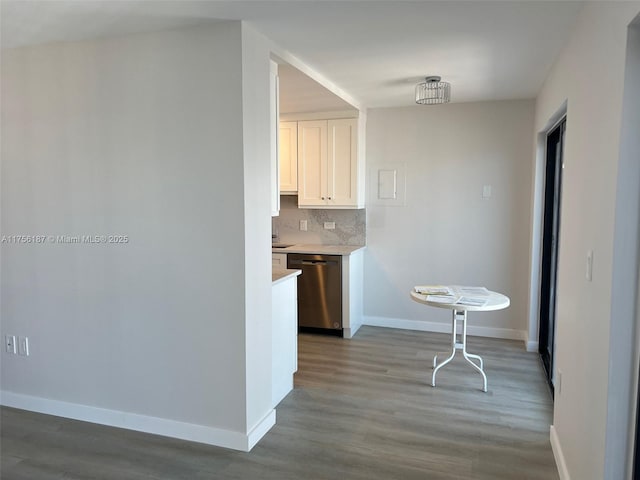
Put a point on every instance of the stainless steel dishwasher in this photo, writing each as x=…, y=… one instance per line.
x=319, y=291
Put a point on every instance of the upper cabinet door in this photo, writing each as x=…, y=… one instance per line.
x=342, y=163
x=274, y=131
x=312, y=163
x=330, y=162
x=288, y=157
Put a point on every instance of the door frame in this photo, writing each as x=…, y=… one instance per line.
x=537, y=208
x=624, y=346
x=551, y=219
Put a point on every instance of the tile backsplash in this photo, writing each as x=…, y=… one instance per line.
x=350, y=224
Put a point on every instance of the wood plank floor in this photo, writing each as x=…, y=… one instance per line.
x=362, y=409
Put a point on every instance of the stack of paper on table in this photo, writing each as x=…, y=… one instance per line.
x=448, y=299
x=467, y=296
x=433, y=290
x=472, y=301
x=473, y=291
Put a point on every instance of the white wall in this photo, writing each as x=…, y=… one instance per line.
x=142, y=136
x=446, y=233
x=594, y=371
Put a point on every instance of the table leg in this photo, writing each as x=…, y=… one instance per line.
x=455, y=345
x=447, y=360
x=475, y=356
x=467, y=355
x=435, y=357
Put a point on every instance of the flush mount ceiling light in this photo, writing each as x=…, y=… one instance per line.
x=432, y=91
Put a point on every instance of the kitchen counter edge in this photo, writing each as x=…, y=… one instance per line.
x=320, y=249
x=279, y=276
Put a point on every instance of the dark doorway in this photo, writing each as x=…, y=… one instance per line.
x=550, y=236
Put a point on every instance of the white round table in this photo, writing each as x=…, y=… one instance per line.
x=492, y=301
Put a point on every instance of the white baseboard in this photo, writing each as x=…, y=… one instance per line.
x=532, y=346
x=350, y=332
x=424, y=326
x=559, y=456
x=142, y=423
x=259, y=430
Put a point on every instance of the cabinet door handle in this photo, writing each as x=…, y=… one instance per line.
x=329, y=198
x=322, y=198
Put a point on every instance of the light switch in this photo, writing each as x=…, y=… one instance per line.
x=10, y=343
x=23, y=346
x=486, y=191
x=558, y=382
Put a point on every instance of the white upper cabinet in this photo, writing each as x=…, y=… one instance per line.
x=288, y=157
x=312, y=163
x=274, y=134
x=342, y=162
x=328, y=164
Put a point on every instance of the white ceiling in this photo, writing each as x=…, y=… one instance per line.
x=376, y=51
x=299, y=93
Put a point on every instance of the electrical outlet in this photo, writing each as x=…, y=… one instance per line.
x=10, y=343
x=303, y=225
x=329, y=225
x=23, y=346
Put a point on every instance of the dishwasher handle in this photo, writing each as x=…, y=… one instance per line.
x=312, y=262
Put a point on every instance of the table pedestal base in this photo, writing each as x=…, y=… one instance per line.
x=458, y=316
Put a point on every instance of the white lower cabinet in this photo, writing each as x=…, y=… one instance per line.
x=352, y=292
x=279, y=261
x=284, y=337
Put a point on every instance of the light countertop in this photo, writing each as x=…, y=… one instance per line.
x=278, y=276
x=319, y=249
